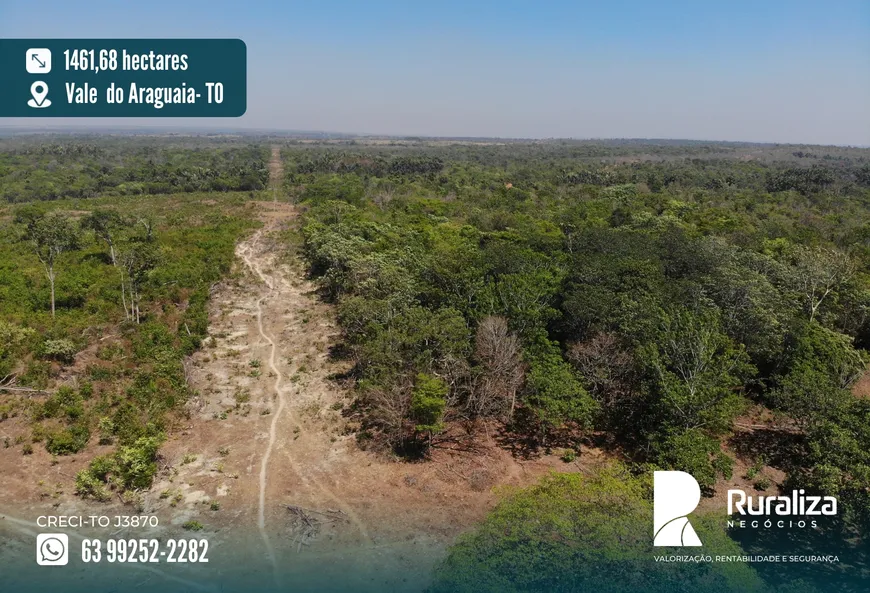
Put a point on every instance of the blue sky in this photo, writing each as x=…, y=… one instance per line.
x=767, y=70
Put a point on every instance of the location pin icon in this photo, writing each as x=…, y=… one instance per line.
x=39, y=90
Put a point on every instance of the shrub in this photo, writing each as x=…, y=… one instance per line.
x=59, y=350
x=87, y=485
x=137, y=463
x=37, y=374
x=193, y=525
x=99, y=373
x=86, y=390
x=101, y=467
x=762, y=483
x=68, y=441
x=12, y=339
x=107, y=430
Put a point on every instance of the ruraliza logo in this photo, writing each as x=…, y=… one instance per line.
x=675, y=496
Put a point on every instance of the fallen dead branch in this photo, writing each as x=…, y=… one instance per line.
x=26, y=390
x=770, y=427
x=306, y=524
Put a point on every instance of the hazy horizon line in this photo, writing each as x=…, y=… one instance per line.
x=75, y=129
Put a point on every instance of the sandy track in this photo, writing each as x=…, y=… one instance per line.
x=283, y=306
x=244, y=251
x=250, y=252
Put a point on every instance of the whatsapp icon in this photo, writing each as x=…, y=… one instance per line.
x=52, y=549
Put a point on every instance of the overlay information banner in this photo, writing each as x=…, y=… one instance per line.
x=123, y=77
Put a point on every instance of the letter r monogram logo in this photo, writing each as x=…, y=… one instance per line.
x=675, y=496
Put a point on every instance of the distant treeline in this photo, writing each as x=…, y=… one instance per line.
x=538, y=165
x=87, y=170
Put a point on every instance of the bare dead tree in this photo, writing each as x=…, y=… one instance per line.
x=391, y=408
x=455, y=372
x=607, y=368
x=500, y=356
x=384, y=196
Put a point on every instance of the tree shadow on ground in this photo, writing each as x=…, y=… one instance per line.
x=781, y=449
x=525, y=438
x=339, y=352
x=519, y=437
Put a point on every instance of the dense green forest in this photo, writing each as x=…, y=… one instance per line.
x=642, y=304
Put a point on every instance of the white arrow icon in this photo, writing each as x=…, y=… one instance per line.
x=38, y=60
x=39, y=90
